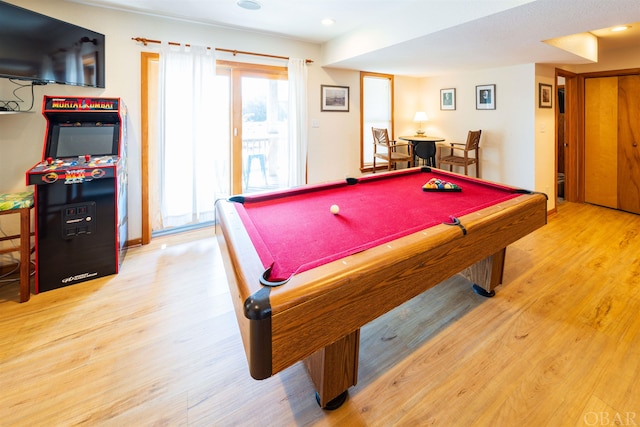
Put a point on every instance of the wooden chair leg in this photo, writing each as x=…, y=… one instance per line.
x=25, y=254
x=20, y=204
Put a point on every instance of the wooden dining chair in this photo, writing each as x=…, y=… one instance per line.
x=459, y=155
x=386, y=149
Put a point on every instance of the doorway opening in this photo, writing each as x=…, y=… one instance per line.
x=567, y=165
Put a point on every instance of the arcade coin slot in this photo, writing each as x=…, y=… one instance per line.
x=78, y=219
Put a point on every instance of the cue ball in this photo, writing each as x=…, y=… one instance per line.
x=335, y=209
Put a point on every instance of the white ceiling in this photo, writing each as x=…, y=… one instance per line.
x=416, y=37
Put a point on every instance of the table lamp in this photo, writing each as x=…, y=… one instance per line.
x=420, y=117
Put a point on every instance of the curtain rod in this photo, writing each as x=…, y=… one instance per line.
x=234, y=52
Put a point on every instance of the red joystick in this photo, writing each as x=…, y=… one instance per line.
x=49, y=161
x=87, y=157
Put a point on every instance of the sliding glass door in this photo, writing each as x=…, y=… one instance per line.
x=262, y=133
x=250, y=116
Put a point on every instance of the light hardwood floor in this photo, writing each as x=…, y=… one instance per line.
x=158, y=344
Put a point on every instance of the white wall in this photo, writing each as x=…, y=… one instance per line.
x=334, y=146
x=621, y=59
x=507, y=145
x=408, y=99
x=545, y=137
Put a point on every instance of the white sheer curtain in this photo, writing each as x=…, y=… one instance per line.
x=193, y=163
x=297, y=70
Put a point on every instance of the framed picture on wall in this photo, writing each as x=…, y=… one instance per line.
x=334, y=98
x=447, y=99
x=545, y=95
x=486, y=97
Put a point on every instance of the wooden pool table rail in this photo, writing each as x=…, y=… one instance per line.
x=319, y=312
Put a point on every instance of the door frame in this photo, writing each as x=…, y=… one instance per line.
x=145, y=60
x=367, y=166
x=572, y=164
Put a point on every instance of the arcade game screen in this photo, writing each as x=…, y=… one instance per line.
x=93, y=140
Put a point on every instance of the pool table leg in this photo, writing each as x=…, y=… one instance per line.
x=486, y=274
x=334, y=369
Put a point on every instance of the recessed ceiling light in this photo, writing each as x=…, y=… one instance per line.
x=620, y=28
x=327, y=22
x=249, y=4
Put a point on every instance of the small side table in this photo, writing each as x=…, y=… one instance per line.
x=20, y=203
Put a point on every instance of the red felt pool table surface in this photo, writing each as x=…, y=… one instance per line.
x=390, y=242
x=294, y=231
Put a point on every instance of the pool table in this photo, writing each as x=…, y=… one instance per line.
x=304, y=280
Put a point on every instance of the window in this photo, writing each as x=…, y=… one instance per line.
x=376, y=92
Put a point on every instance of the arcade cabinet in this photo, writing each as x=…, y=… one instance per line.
x=80, y=191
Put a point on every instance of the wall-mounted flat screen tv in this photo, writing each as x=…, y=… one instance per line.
x=42, y=49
